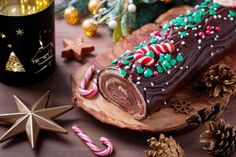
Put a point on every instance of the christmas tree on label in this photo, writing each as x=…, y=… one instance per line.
x=14, y=64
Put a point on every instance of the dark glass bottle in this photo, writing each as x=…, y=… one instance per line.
x=27, y=41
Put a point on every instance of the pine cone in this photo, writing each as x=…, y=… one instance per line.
x=219, y=138
x=165, y=147
x=220, y=80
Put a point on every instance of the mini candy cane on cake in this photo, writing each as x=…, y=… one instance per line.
x=157, y=49
x=92, y=145
x=84, y=83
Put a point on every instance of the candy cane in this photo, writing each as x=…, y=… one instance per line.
x=84, y=83
x=92, y=145
x=157, y=49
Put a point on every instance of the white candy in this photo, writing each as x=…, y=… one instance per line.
x=112, y=24
x=132, y=8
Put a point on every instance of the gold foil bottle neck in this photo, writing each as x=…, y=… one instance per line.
x=23, y=7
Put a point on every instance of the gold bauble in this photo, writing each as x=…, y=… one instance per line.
x=166, y=1
x=71, y=15
x=94, y=6
x=89, y=27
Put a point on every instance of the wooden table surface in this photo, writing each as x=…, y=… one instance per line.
x=126, y=143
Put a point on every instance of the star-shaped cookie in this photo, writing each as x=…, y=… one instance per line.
x=76, y=49
x=31, y=121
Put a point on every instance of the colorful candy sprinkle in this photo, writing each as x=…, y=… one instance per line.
x=125, y=62
x=217, y=29
x=148, y=73
x=130, y=57
x=123, y=72
x=179, y=58
x=232, y=13
x=139, y=69
x=120, y=64
x=115, y=61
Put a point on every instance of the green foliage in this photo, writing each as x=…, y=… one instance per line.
x=147, y=11
x=117, y=33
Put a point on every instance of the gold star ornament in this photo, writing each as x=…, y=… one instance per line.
x=32, y=120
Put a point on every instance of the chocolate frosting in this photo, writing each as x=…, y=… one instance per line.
x=199, y=52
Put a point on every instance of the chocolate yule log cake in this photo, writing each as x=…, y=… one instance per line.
x=142, y=80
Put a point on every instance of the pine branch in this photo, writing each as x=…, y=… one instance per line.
x=59, y=9
x=147, y=13
x=81, y=6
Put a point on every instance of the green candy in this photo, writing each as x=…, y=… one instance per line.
x=191, y=26
x=197, y=19
x=203, y=6
x=125, y=62
x=166, y=26
x=166, y=65
x=129, y=57
x=168, y=41
x=179, y=58
x=206, y=1
x=216, y=5
x=182, y=23
x=161, y=58
x=122, y=55
x=183, y=34
x=190, y=19
x=136, y=48
x=212, y=12
x=148, y=73
x=123, y=72
x=115, y=61
x=150, y=53
x=160, y=69
x=211, y=7
x=139, y=70
x=164, y=68
x=153, y=41
x=168, y=57
x=232, y=13
x=173, y=62
x=139, y=46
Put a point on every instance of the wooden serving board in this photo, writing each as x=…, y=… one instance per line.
x=165, y=120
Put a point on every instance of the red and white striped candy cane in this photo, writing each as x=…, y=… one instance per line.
x=92, y=145
x=144, y=60
x=84, y=83
x=157, y=49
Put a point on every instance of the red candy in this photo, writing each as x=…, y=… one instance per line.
x=155, y=73
x=166, y=35
x=157, y=33
x=209, y=28
x=208, y=32
x=201, y=34
x=217, y=29
x=120, y=64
